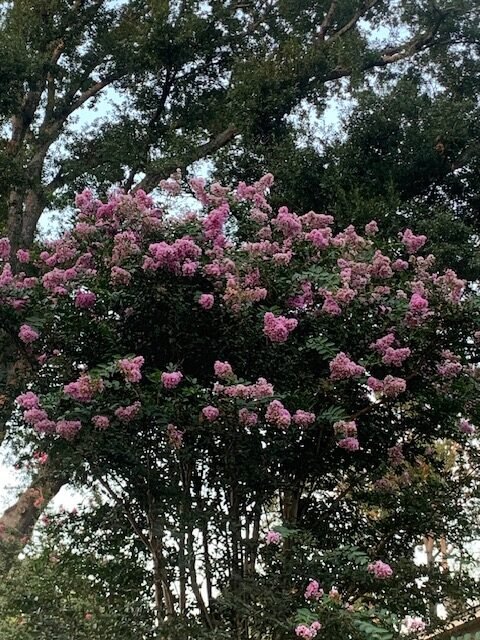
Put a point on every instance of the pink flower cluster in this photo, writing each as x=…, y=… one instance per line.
x=413, y=624
x=247, y=418
x=84, y=388
x=210, y=413
x=171, y=380
x=313, y=591
x=412, y=242
x=128, y=413
x=450, y=367
x=346, y=433
x=223, y=370
x=120, y=276
x=395, y=455
x=28, y=400
x=179, y=257
x=101, y=422
x=342, y=368
x=273, y=537
x=27, y=334
x=68, y=429
x=305, y=631
x=465, y=426
x=4, y=248
x=85, y=299
x=130, y=368
x=261, y=389
x=278, y=328
x=277, y=415
x=390, y=385
x=380, y=570
x=206, y=301
x=303, y=418
x=396, y=357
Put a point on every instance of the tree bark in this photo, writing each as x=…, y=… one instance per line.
x=18, y=521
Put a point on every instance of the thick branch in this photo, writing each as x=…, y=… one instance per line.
x=18, y=521
x=162, y=169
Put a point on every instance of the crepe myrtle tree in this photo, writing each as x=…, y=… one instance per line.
x=269, y=400
x=192, y=79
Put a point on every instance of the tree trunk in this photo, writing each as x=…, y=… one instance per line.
x=18, y=521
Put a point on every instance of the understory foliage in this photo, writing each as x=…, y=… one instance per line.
x=280, y=409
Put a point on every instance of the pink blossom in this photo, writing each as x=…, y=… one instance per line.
x=342, y=368
x=189, y=268
x=381, y=265
x=4, y=248
x=380, y=570
x=303, y=418
x=395, y=455
x=85, y=299
x=450, y=366
x=273, y=537
x=210, y=413
x=247, y=418
x=413, y=625
x=349, y=444
x=223, y=370
x=288, y=223
x=418, y=304
x=277, y=328
x=320, y=238
x=68, y=429
x=28, y=400
x=84, y=388
x=27, y=334
x=45, y=426
x=214, y=222
x=345, y=429
x=23, y=256
x=465, y=426
x=130, y=367
x=101, y=422
x=331, y=307
x=375, y=384
x=206, y=300
x=34, y=415
x=41, y=457
x=371, y=228
x=277, y=414
x=393, y=386
x=308, y=632
x=128, y=413
x=396, y=357
x=172, y=379
x=412, y=242
x=382, y=344
x=313, y=591
x=399, y=265
x=119, y=276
